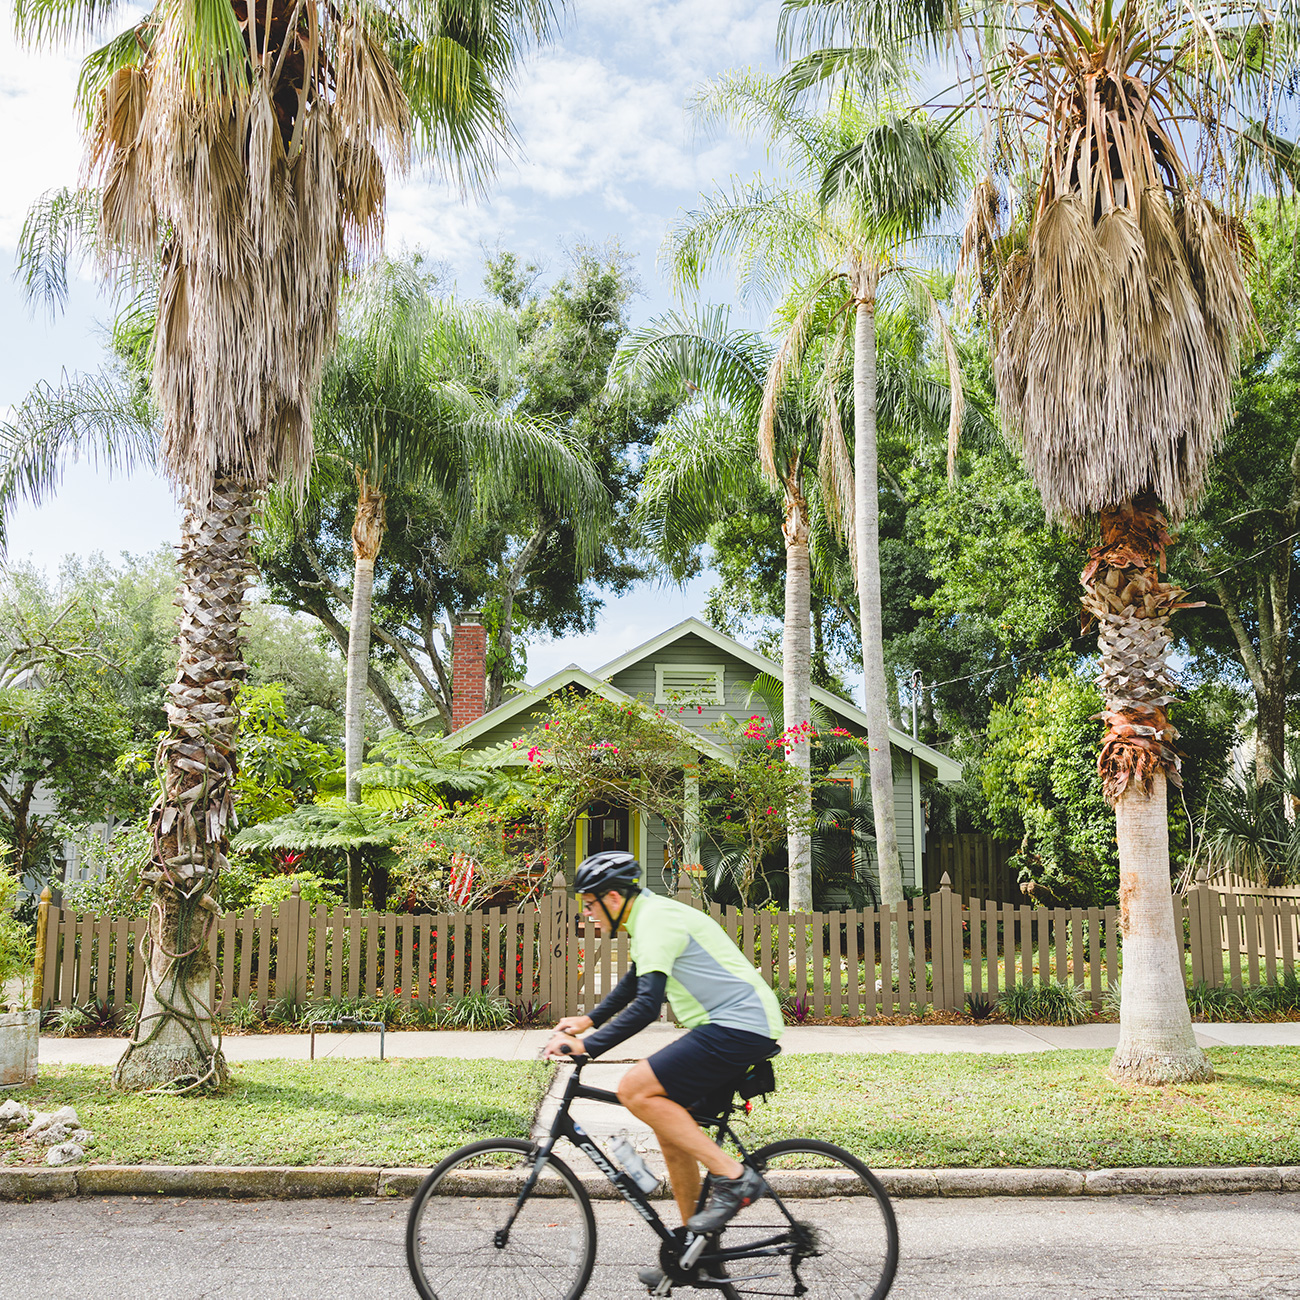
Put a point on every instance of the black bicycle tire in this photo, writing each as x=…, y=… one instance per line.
x=431, y=1180
x=788, y=1146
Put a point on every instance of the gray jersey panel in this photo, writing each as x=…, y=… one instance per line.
x=729, y=999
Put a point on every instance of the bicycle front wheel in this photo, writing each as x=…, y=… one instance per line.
x=453, y=1244
x=842, y=1220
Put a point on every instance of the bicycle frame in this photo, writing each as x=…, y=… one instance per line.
x=565, y=1127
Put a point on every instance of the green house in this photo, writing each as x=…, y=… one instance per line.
x=713, y=670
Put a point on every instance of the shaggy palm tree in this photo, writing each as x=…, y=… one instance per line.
x=1116, y=302
x=241, y=154
x=891, y=175
x=706, y=454
x=406, y=398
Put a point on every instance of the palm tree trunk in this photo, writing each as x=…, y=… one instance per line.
x=867, y=529
x=172, y=1043
x=796, y=673
x=367, y=538
x=1132, y=605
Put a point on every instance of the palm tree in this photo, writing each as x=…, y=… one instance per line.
x=405, y=398
x=1116, y=303
x=242, y=158
x=890, y=177
x=706, y=454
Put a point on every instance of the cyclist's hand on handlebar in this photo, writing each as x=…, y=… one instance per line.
x=562, y=1045
x=573, y=1024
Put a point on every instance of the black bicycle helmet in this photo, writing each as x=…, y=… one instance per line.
x=613, y=869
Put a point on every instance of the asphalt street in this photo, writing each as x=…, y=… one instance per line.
x=1076, y=1249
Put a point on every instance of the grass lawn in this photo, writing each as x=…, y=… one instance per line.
x=1049, y=1108
x=400, y=1112
x=1045, y=1109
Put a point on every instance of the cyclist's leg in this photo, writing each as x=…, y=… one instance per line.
x=684, y=1144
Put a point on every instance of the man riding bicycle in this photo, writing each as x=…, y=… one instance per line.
x=732, y=1016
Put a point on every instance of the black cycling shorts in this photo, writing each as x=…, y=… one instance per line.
x=706, y=1059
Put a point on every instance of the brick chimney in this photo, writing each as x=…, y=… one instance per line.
x=468, y=669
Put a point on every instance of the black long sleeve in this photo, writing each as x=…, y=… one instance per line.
x=616, y=999
x=635, y=1014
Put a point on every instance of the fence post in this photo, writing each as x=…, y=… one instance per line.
x=1205, y=962
x=38, y=964
x=286, y=945
x=557, y=953
x=945, y=953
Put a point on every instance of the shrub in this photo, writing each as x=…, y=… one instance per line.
x=65, y=1021
x=1110, y=1000
x=1019, y=1002
x=241, y=1016
x=387, y=1007
x=478, y=1011
x=529, y=1013
x=796, y=1010
x=1208, y=1003
x=979, y=1006
x=114, y=866
x=1062, y=1004
x=273, y=890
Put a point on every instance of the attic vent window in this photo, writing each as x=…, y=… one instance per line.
x=689, y=684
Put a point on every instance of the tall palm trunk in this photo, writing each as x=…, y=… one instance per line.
x=172, y=1043
x=367, y=537
x=1132, y=605
x=796, y=673
x=866, y=517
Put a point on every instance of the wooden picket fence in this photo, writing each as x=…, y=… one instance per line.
x=929, y=951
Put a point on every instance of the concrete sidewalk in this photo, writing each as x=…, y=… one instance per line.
x=524, y=1044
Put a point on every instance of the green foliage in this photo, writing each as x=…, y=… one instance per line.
x=749, y=805
x=15, y=943
x=279, y=768
x=114, y=867
x=1055, y=1003
x=453, y=859
x=1038, y=773
x=242, y=1017
x=585, y=749
x=1207, y=1002
x=477, y=1011
x=271, y=891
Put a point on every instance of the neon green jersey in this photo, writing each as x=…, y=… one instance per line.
x=709, y=980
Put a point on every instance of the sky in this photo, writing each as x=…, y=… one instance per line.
x=607, y=150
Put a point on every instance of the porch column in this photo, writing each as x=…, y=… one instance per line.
x=691, y=815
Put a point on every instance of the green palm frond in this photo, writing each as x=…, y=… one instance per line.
x=59, y=227
x=105, y=419
x=330, y=824
x=902, y=176
x=767, y=231
x=702, y=458
x=701, y=353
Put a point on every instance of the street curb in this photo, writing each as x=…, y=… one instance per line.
x=293, y=1182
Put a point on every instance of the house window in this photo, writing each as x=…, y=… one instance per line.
x=690, y=684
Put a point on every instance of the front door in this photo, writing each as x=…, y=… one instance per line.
x=607, y=828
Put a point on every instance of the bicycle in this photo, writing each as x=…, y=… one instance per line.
x=496, y=1209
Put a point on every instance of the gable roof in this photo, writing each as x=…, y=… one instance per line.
x=566, y=677
x=945, y=768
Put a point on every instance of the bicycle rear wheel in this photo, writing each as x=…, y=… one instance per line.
x=841, y=1209
x=452, y=1248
